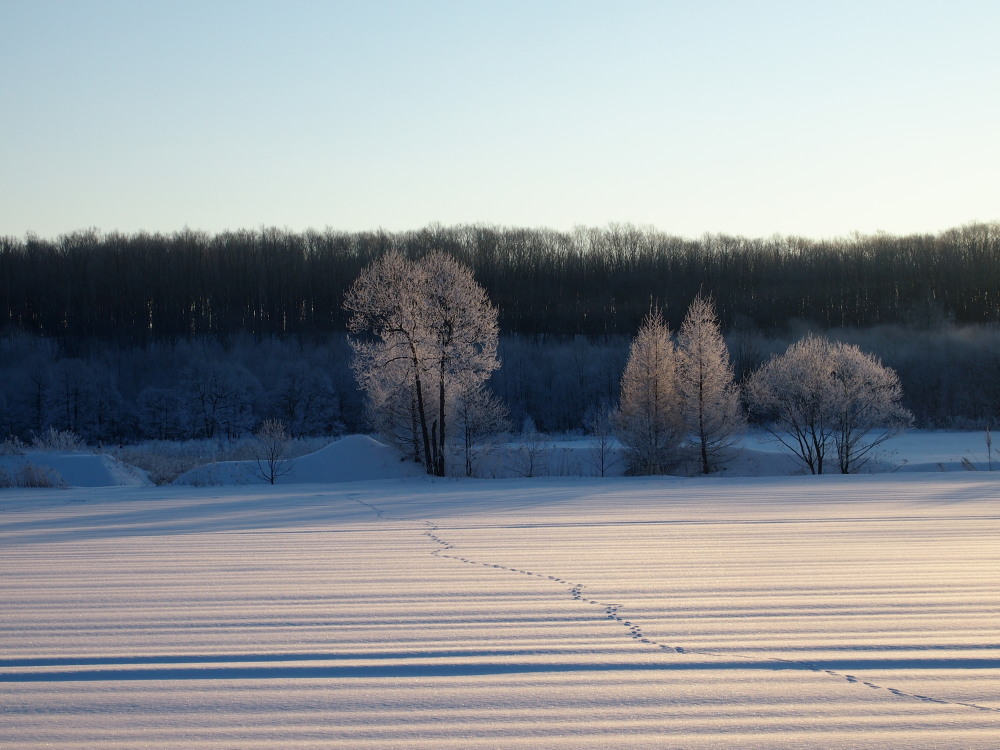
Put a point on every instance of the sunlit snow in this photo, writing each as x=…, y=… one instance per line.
x=802, y=612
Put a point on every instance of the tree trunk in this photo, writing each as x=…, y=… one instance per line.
x=418, y=386
x=441, y=410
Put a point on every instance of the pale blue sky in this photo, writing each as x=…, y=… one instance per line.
x=750, y=118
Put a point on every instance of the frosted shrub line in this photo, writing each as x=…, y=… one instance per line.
x=30, y=475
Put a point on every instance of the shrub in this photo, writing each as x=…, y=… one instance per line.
x=57, y=440
x=30, y=475
x=12, y=446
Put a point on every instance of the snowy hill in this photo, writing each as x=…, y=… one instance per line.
x=360, y=458
x=353, y=458
x=75, y=468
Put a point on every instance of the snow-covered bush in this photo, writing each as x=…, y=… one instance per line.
x=57, y=440
x=30, y=475
x=12, y=446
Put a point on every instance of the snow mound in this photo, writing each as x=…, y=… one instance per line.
x=351, y=459
x=76, y=468
x=355, y=458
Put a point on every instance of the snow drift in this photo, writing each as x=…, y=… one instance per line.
x=353, y=458
x=75, y=468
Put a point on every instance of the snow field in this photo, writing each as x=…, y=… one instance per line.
x=554, y=613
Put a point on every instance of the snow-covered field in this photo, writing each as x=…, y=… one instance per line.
x=758, y=612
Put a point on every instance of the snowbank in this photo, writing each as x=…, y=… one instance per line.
x=76, y=468
x=354, y=458
x=360, y=458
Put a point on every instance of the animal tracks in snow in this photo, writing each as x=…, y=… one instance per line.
x=541, y=614
x=633, y=629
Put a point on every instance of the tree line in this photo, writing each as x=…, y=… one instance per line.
x=142, y=287
x=425, y=344
x=109, y=394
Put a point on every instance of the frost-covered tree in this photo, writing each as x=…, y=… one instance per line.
x=821, y=398
x=532, y=456
x=110, y=414
x=304, y=399
x=429, y=320
x=7, y=420
x=868, y=408
x=390, y=407
x=791, y=394
x=71, y=396
x=34, y=394
x=710, y=399
x=649, y=422
x=161, y=413
x=478, y=416
x=219, y=397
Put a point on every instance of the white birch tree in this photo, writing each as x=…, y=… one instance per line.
x=390, y=398
x=430, y=327
x=461, y=337
x=648, y=421
x=710, y=398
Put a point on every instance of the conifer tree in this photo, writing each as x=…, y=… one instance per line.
x=710, y=399
x=648, y=421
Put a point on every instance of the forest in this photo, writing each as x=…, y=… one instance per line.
x=590, y=282
x=123, y=337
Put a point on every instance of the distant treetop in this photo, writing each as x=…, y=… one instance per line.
x=591, y=281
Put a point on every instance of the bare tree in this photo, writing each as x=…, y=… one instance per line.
x=532, y=455
x=478, y=416
x=649, y=422
x=161, y=413
x=271, y=451
x=38, y=382
x=821, y=397
x=304, y=399
x=710, y=399
x=219, y=397
x=71, y=397
x=599, y=422
x=432, y=322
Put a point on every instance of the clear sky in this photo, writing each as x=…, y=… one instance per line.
x=753, y=118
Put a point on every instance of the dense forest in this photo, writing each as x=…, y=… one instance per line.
x=123, y=337
x=590, y=282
